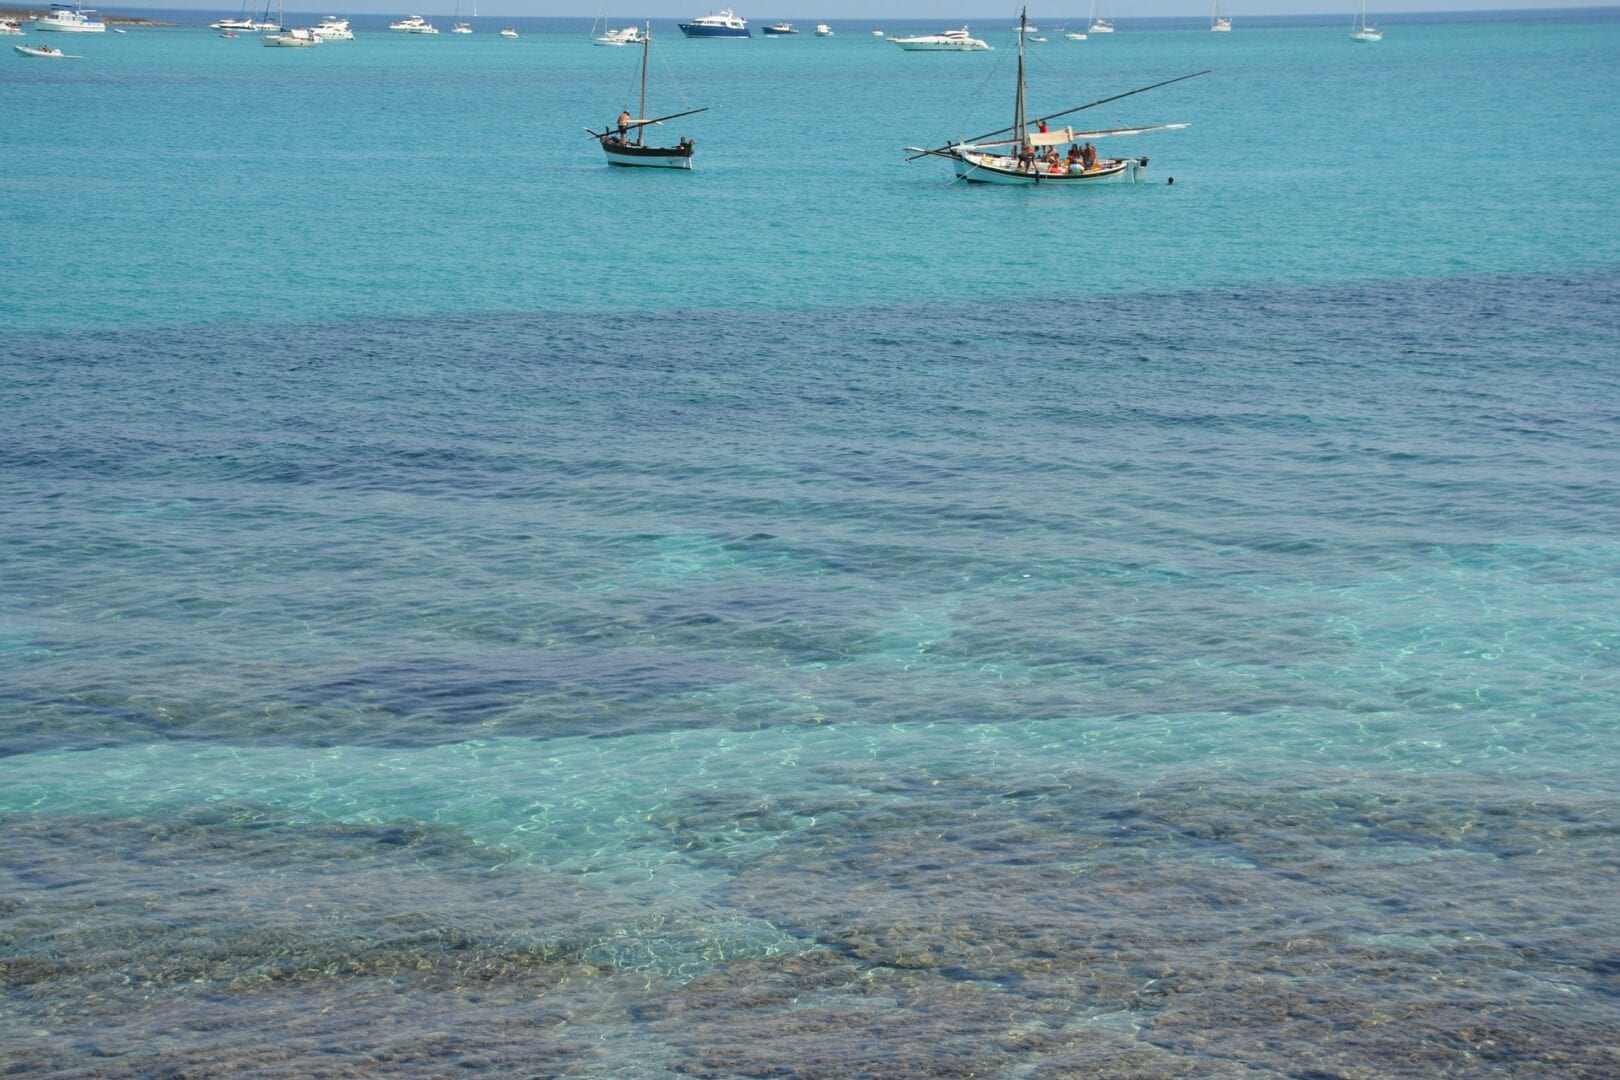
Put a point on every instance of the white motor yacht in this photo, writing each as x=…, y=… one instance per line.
x=332, y=28
x=70, y=19
x=823, y=30
x=508, y=32
x=946, y=41
x=413, y=25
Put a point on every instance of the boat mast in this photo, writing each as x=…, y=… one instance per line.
x=1018, y=106
x=641, y=114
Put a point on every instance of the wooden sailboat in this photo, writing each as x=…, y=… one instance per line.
x=624, y=142
x=1019, y=160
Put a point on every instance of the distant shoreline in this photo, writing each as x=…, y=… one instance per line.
x=22, y=15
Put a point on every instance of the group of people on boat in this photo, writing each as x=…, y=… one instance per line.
x=1080, y=159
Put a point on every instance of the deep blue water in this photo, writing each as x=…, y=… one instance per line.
x=464, y=609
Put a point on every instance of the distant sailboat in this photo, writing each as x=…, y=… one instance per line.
x=459, y=27
x=1218, y=25
x=624, y=148
x=1360, y=31
x=1099, y=25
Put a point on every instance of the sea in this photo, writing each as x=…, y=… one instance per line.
x=468, y=610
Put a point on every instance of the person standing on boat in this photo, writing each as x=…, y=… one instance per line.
x=624, y=124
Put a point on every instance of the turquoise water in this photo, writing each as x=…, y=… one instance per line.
x=469, y=609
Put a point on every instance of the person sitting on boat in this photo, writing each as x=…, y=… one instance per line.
x=1073, y=159
x=624, y=124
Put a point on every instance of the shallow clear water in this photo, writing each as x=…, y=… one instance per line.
x=468, y=608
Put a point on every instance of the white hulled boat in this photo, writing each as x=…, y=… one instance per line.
x=945, y=41
x=9, y=28
x=509, y=32
x=70, y=19
x=459, y=27
x=301, y=38
x=332, y=28
x=1360, y=31
x=1218, y=25
x=44, y=52
x=724, y=23
x=415, y=24
x=629, y=35
x=624, y=142
x=1099, y=25
x=1075, y=35
x=823, y=30
x=988, y=159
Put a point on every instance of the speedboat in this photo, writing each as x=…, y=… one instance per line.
x=332, y=28
x=9, y=27
x=70, y=19
x=778, y=29
x=945, y=41
x=1075, y=35
x=876, y=32
x=509, y=32
x=724, y=23
x=823, y=30
x=1101, y=26
x=629, y=35
x=44, y=52
x=413, y=25
x=301, y=38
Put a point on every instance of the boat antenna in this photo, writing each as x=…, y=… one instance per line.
x=1066, y=112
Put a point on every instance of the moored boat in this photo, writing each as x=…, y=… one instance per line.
x=299, y=38
x=70, y=19
x=944, y=41
x=1360, y=31
x=332, y=28
x=44, y=52
x=415, y=24
x=629, y=35
x=509, y=32
x=624, y=142
x=724, y=23
x=1217, y=23
x=823, y=30
x=781, y=29
x=1017, y=160
x=9, y=28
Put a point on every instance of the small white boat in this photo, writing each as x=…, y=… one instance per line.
x=44, y=52
x=332, y=28
x=300, y=38
x=876, y=32
x=70, y=19
x=233, y=24
x=1075, y=35
x=1099, y=25
x=415, y=24
x=945, y=41
x=7, y=27
x=508, y=32
x=1360, y=31
x=823, y=30
x=629, y=35
x=461, y=28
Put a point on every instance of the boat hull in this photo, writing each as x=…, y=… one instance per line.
x=70, y=27
x=648, y=157
x=695, y=30
x=941, y=46
x=982, y=169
